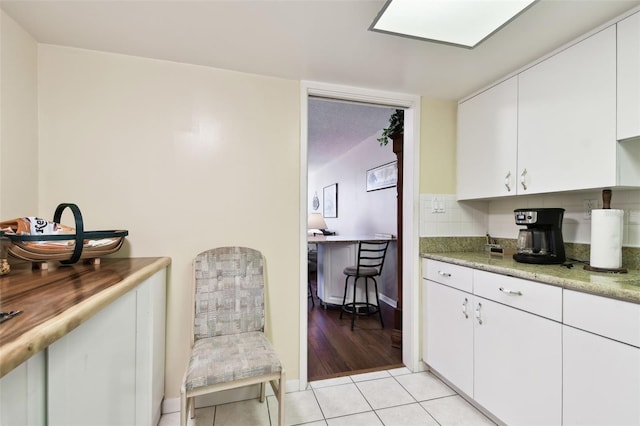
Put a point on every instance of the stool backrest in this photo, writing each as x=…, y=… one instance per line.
x=371, y=254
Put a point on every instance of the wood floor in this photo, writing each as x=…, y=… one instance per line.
x=334, y=350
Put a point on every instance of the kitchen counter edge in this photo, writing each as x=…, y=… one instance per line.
x=38, y=338
x=613, y=286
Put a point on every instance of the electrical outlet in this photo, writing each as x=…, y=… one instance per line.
x=437, y=205
x=588, y=206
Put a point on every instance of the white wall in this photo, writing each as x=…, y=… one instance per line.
x=184, y=157
x=18, y=121
x=475, y=218
x=359, y=212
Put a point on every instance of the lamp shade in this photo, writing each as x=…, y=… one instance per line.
x=316, y=221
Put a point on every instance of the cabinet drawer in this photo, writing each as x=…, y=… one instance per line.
x=611, y=318
x=540, y=299
x=455, y=276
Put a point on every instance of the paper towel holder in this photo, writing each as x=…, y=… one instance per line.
x=606, y=204
x=609, y=270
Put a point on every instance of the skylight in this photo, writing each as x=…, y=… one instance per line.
x=463, y=23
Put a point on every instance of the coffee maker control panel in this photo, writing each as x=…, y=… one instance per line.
x=526, y=217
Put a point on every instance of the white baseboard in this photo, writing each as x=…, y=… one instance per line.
x=388, y=301
x=172, y=405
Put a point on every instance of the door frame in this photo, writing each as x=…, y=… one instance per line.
x=411, y=205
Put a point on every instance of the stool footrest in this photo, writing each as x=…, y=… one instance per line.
x=361, y=308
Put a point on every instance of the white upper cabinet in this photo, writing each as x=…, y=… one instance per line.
x=569, y=122
x=629, y=77
x=487, y=142
x=567, y=118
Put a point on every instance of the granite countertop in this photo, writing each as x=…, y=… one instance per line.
x=57, y=300
x=616, y=286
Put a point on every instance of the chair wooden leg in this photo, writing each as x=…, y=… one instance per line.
x=191, y=407
x=281, y=397
x=262, y=392
x=183, y=408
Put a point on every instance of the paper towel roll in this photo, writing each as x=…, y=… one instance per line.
x=606, y=238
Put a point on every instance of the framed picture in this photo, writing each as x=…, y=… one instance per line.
x=381, y=177
x=330, y=201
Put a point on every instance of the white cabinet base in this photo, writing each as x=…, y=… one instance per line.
x=518, y=365
x=91, y=376
x=22, y=394
x=601, y=380
x=110, y=370
x=448, y=325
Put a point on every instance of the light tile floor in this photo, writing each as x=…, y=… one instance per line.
x=384, y=398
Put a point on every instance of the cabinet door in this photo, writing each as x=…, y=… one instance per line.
x=629, y=77
x=151, y=303
x=91, y=370
x=567, y=118
x=518, y=364
x=332, y=259
x=448, y=328
x=601, y=380
x=487, y=142
x=23, y=394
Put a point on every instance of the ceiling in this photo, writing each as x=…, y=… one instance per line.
x=319, y=40
x=316, y=40
x=335, y=127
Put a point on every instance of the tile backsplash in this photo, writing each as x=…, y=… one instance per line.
x=441, y=215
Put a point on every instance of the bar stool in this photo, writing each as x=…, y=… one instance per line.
x=371, y=256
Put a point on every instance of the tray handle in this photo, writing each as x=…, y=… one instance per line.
x=77, y=216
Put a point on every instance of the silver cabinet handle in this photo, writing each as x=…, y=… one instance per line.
x=523, y=180
x=512, y=292
x=507, y=180
x=478, y=314
x=464, y=308
x=444, y=274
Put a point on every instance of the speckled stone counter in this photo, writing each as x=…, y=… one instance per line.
x=59, y=299
x=616, y=286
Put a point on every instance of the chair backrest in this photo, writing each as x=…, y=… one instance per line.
x=371, y=254
x=229, y=292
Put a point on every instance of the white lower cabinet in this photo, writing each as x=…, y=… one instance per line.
x=601, y=361
x=91, y=377
x=23, y=395
x=496, y=338
x=449, y=326
x=335, y=256
x=518, y=364
x=110, y=370
x=601, y=380
x=332, y=259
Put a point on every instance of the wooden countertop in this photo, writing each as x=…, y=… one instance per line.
x=624, y=287
x=57, y=300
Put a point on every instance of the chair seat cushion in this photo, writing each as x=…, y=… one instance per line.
x=227, y=358
x=364, y=271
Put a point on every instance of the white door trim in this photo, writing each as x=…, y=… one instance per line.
x=411, y=204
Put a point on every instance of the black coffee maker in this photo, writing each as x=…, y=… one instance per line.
x=541, y=242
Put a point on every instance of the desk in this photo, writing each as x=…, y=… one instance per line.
x=336, y=253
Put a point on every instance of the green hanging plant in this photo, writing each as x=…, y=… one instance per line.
x=396, y=126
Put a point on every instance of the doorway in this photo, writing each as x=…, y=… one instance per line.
x=343, y=149
x=410, y=281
